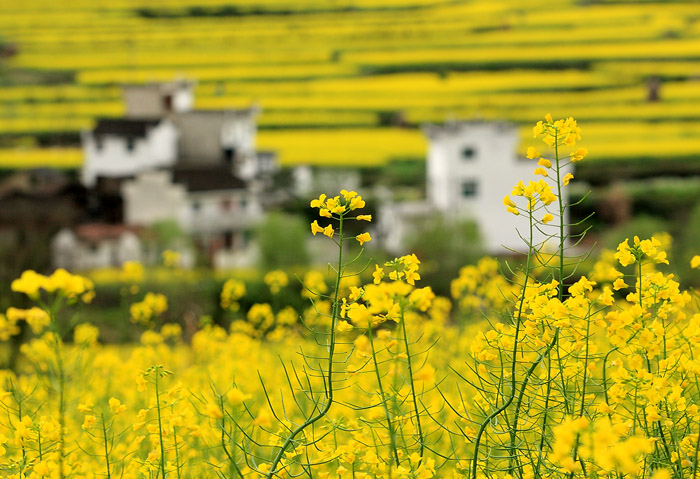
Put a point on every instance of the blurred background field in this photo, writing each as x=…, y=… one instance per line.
x=349, y=82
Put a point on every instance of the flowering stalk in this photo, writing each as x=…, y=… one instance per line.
x=105, y=441
x=411, y=381
x=514, y=362
x=384, y=399
x=333, y=208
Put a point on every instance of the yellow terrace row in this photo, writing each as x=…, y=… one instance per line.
x=72, y=117
x=130, y=4
x=514, y=14
x=666, y=112
x=375, y=147
x=226, y=94
x=263, y=72
x=516, y=80
x=460, y=88
x=669, y=49
x=80, y=48
x=642, y=112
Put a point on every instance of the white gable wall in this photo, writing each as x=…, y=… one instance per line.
x=221, y=211
x=152, y=197
x=471, y=167
x=112, y=157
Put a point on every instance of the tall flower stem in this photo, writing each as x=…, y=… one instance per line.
x=335, y=313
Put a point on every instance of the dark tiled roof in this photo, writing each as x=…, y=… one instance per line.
x=96, y=232
x=203, y=178
x=125, y=126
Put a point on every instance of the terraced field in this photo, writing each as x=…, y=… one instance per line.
x=350, y=81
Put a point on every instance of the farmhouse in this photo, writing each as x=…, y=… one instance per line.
x=470, y=167
x=165, y=161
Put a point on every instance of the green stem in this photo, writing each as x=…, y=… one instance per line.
x=389, y=423
x=562, y=207
x=513, y=387
x=104, y=435
x=413, y=387
x=160, y=426
x=335, y=312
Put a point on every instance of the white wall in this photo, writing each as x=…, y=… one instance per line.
x=494, y=168
x=152, y=197
x=239, y=130
x=149, y=100
x=114, y=159
x=73, y=254
x=207, y=212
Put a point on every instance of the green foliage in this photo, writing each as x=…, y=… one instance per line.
x=444, y=246
x=275, y=253
x=167, y=234
x=688, y=245
x=642, y=226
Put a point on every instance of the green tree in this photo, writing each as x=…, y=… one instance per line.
x=444, y=245
x=282, y=240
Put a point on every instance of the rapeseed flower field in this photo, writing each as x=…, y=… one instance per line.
x=353, y=76
x=546, y=370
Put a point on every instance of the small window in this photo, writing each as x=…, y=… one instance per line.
x=99, y=144
x=130, y=144
x=168, y=103
x=196, y=206
x=469, y=189
x=468, y=153
x=228, y=239
x=226, y=204
x=229, y=154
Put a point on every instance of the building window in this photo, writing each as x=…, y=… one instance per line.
x=196, y=206
x=130, y=144
x=468, y=153
x=226, y=204
x=469, y=189
x=99, y=143
x=228, y=239
x=168, y=103
x=229, y=155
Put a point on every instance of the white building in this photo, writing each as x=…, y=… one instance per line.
x=92, y=246
x=168, y=162
x=156, y=100
x=470, y=167
x=121, y=148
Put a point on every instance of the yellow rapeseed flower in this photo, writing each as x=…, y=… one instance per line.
x=695, y=262
x=363, y=238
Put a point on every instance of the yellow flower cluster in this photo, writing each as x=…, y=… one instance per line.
x=62, y=282
x=568, y=376
x=276, y=280
x=37, y=318
x=557, y=133
x=695, y=262
x=648, y=248
x=481, y=287
x=404, y=268
x=131, y=272
x=606, y=446
x=152, y=306
x=387, y=300
x=172, y=259
x=339, y=209
x=535, y=192
x=232, y=291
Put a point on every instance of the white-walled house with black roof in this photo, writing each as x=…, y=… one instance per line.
x=197, y=168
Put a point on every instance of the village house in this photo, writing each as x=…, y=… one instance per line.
x=470, y=167
x=165, y=161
